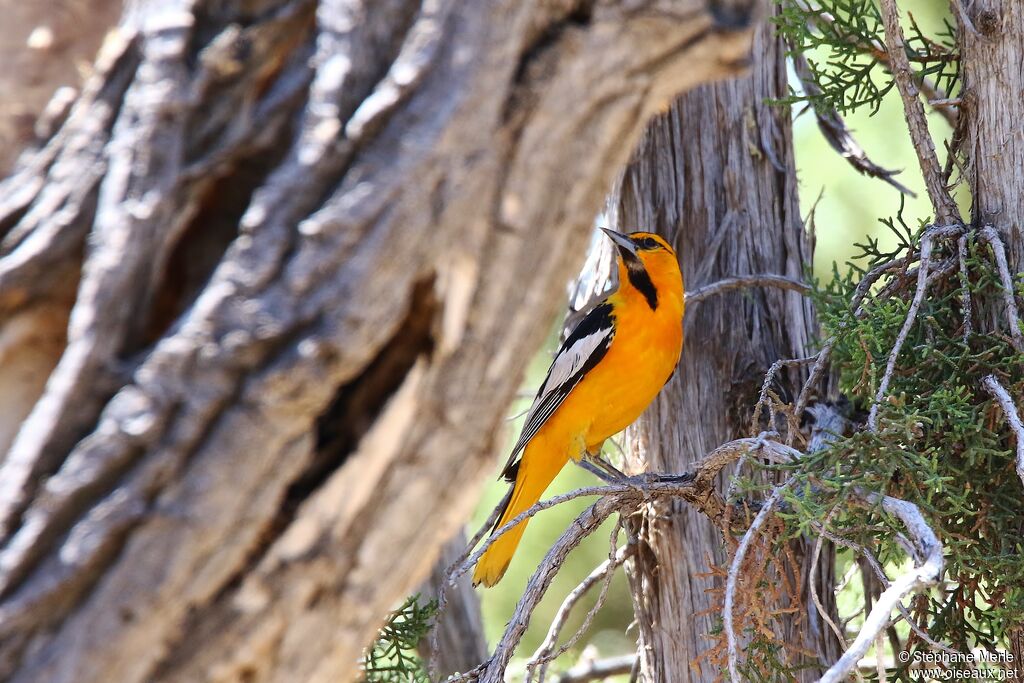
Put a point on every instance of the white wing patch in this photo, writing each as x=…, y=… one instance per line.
x=569, y=361
x=587, y=344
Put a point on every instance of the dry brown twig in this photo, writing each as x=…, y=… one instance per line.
x=734, y=571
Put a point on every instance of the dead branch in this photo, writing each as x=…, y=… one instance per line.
x=908, y=323
x=822, y=358
x=926, y=572
x=1005, y=401
x=744, y=281
x=599, y=669
x=945, y=208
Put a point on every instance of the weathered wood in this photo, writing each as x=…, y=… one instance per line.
x=991, y=140
x=317, y=242
x=715, y=174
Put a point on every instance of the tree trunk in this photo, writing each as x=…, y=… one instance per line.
x=289, y=231
x=716, y=175
x=992, y=142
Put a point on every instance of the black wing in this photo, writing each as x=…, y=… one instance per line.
x=584, y=349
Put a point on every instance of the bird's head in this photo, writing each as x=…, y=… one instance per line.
x=648, y=262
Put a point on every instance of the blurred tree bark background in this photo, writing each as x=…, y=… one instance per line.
x=280, y=265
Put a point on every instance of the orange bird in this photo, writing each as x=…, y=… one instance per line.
x=605, y=374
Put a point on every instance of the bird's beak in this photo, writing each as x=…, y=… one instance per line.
x=620, y=241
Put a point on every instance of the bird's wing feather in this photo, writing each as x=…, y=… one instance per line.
x=583, y=349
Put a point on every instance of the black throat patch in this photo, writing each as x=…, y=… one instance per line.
x=639, y=278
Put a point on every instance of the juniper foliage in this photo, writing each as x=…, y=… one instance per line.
x=844, y=43
x=393, y=657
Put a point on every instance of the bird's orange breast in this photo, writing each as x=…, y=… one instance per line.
x=642, y=356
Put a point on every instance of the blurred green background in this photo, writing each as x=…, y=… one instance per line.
x=847, y=213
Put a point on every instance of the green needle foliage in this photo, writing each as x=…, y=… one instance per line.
x=844, y=43
x=393, y=657
x=942, y=443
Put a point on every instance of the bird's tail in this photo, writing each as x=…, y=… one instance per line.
x=532, y=478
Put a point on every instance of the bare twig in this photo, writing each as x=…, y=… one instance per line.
x=945, y=208
x=908, y=323
x=743, y=281
x=813, y=575
x=990, y=235
x=926, y=572
x=823, y=355
x=598, y=669
x=603, y=573
x=734, y=571
x=1005, y=401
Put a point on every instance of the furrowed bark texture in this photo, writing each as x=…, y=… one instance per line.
x=309, y=247
x=716, y=174
x=992, y=58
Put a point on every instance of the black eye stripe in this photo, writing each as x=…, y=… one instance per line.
x=649, y=243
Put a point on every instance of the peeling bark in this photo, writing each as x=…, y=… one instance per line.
x=289, y=231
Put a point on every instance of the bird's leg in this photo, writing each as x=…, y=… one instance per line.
x=611, y=469
x=591, y=465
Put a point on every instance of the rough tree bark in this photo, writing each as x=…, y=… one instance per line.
x=716, y=174
x=992, y=142
x=288, y=231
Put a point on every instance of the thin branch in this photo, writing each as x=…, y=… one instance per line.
x=1005, y=402
x=813, y=574
x=744, y=281
x=908, y=323
x=599, y=669
x=945, y=208
x=859, y=311
x=989, y=234
x=603, y=573
x=734, y=570
x=926, y=572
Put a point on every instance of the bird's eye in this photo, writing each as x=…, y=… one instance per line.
x=649, y=243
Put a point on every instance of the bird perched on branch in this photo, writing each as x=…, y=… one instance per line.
x=606, y=373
